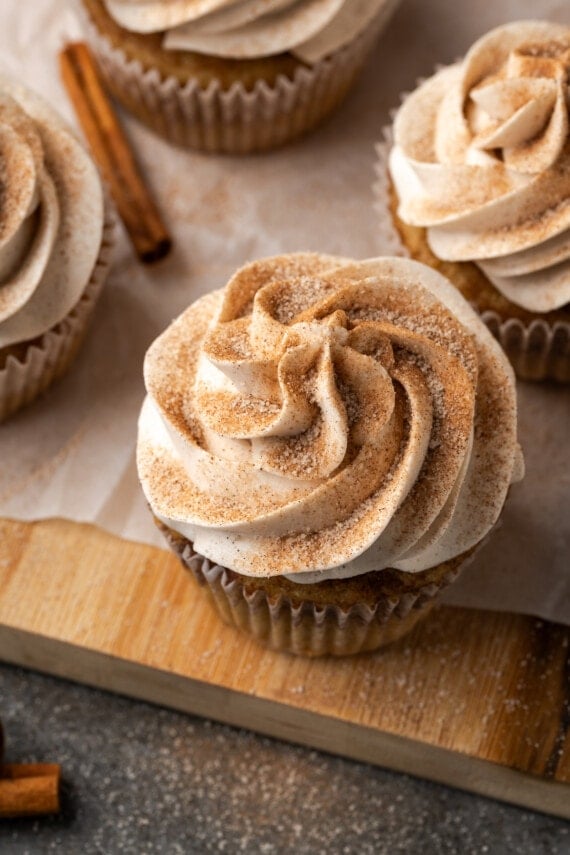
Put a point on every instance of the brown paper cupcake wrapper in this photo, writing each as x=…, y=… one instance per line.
x=537, y=350
x=49, y=356
x=232, y=121
x=303, y=627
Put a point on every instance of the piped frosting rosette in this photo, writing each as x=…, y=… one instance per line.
x=481, y=159
x=51, y=217
x=54, y=245
x=247, y=29
x=322, y=418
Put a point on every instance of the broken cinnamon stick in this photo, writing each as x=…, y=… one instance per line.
x=29, y=789
x=112, y=153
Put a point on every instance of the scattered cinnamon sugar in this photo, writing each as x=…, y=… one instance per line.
x=294, y=297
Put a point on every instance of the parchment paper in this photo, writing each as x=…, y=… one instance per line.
x=71, y=454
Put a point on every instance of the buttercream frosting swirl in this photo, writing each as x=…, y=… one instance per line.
x=321, y=418
x=247, y=29
x=51, y=216
x=481, y=158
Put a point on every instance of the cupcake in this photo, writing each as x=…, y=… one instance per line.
x=480, y=182
x=54, y=249
x=232, y=76
x=324, y=443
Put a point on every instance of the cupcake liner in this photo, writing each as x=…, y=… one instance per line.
x=234, y=120
x=537, y=350
x=50, y=355
x=304, y=627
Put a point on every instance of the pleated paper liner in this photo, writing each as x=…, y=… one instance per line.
x=47, y=358
x=298, y=624
x=537, y=350
x=234, y=120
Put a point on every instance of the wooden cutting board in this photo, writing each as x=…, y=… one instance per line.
x=477, y=700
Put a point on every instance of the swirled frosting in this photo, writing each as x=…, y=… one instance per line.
x=247, y=29
x=321, y=418
x=482, y=160
x=51, y=216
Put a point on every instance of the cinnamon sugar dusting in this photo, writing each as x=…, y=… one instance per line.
x=51, y=217
x=236, y=415
x=489, y=173
x=351, y=456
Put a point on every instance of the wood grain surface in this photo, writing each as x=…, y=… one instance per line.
x=478, y=700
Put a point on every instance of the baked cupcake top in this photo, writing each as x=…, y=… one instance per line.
x=321, y=418
x=481, y=158
x=247, y=29
x=51, y=216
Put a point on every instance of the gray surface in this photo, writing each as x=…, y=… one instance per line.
x=138, y=779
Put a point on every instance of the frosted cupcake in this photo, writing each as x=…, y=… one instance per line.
x=54, y=248
x=232, y=76
x=324, y=443
x=480, y=174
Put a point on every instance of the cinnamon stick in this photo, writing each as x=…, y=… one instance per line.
x=29, y=789
x=112, y=152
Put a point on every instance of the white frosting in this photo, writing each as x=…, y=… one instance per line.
x=321, y=418
x=482, y=160
x=246, y=29
x=51, y=216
